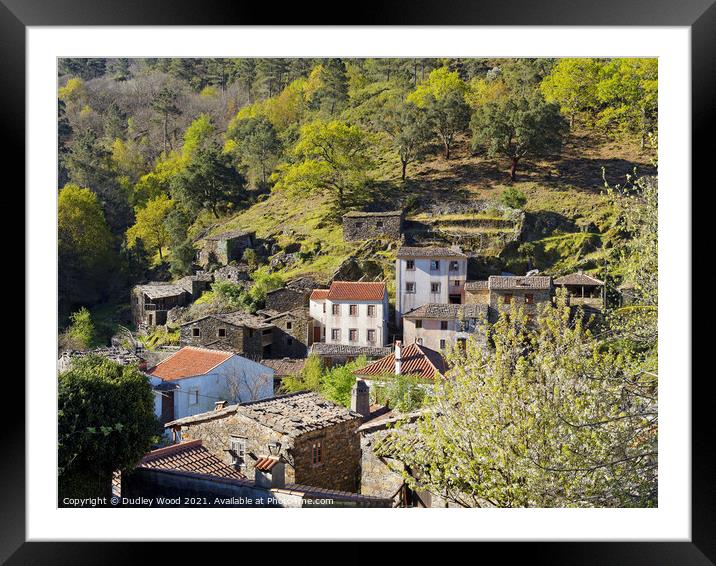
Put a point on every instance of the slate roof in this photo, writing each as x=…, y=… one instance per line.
x=285, y=366
x=448, y=312
x=118, y=355
x=293, y=414
x=295, y=313
x=429, y=251
x=360, y=214
x=415, y=360
x=188, y=362
x=476, y=285
x=189, y=456
x=506, y=282
x=328, y=349
x=236, y=318
x=355, y=291
x=161, y=290
x=578, y=278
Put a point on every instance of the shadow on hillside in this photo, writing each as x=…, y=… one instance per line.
x=586, y=174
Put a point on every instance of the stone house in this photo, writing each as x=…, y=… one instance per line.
x=316, y=438
x=236, y=274
x=151, y=302
x=350, y=314
x=192, y=380
x=246, y=334
x=196, y=284
x=367, y=225
x=294, y=295
x=477, y=293
x=440, y=326
x=530, y=292
x=292, y=334
x=224, y=248
x=583, y=290
x=189, y=470
x=425, y=275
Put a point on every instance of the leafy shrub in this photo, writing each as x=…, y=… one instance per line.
x=514, y=198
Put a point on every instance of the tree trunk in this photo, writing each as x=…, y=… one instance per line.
x=447, y=150
x=405, y=166
x=166, y=126
x=161, y=257
x=571, y=121
x=513, y=169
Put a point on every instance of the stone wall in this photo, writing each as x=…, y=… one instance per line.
x=243, y=340
x=477, y=297
x=497, y=301
x=365, y=226
x=292, y=342
x=340, y=448
x=287, y=298
x=224, y=250
x=376, y=478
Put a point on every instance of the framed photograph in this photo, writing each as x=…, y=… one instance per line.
x=422, y=278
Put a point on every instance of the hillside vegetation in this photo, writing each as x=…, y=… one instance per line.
x=507, y=158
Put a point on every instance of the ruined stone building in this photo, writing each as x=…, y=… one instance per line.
x=316, y=438
x=583, y=290
x=295, y=294
x=151, y=302
x=224, y=248
x=367, y=225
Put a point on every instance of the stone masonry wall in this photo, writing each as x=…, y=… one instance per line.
x=245, y=341
x=299, y=334
x=376, y=478
x=497, y=303
x=286, y=299
x=367, y=227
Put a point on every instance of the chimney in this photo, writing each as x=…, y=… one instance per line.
x=218, y=405
x=398, y=359
x=360, y=398
x=270, y=471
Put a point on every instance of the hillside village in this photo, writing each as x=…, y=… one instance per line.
x=392, y=292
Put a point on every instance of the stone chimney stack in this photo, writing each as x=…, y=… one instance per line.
x=360, y=398
x=398, y=359
x=270, y=471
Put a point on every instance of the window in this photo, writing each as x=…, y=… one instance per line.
x=353, y=335
x=251, y=332
x=335, y=334
x=353, y=310
x=371, y=310
x=289, y=341
x=371, y=336
x=336, y=309
x=196, y=332
x=507, y=299
x=410, y=264
x=237, y=450
x=454, y=266
x=443, y=325
x=221, y=333
x=442, y=344
x=317, y=451
x=529, y=298
x=410, y=287
x=194, y=396
x=434, y=265
x=435, y=287
x=359, y=225
x=379, y=224
x=289, y=325
x=456, y=283
x=324, y=307
x=418, y=323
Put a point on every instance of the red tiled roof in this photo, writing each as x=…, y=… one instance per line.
x=415, y=360
x=189, y=361
x=189, y=456
x=265, y=464
x=354, y=291
x=319, y=294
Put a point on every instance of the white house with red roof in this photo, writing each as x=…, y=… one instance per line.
x=350, y=313
x=194, y=380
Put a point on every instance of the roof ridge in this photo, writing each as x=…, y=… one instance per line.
x=171, y=449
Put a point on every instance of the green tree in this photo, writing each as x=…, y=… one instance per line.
x=573, y=85
x=547, y=418
x=106, y=423
x=150, y=225
x=182, y=252
x=256, y=144
x=165, y=104
x=83, y=247
x=80, y=335
x=208, y=181
x=517, y=127
x=332, y=157
x=337, y=382
x=442, y=95
x=308, y=380
x=513, y=197
x=409, y=130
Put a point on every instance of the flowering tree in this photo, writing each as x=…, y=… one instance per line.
x=546, y=418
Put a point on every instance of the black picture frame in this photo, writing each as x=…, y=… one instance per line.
x=699, y=15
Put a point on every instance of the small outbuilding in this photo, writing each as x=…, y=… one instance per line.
x=366, y=225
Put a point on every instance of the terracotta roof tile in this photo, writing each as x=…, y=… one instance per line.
x=189, y=361
x=355, y=291
x=189, y=457
x=415, y=360
x=266, y=463
x=319, y=294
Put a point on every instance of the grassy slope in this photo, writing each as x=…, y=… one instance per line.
x=570, y=186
